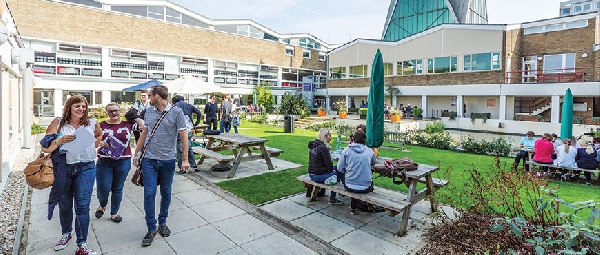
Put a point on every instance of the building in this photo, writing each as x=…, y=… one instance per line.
x=98, y=47
x=409, y=17
x=575, y=7
x=512, y=72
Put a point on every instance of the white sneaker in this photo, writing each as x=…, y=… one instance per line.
x=63, y=242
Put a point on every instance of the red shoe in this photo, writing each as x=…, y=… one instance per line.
x=82, y=249
x=63, y=242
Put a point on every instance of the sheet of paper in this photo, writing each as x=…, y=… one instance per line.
x=83, y=139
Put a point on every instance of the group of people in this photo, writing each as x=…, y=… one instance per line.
x=565, y=154
x=227, y=115
x=106, y=160
x=353, y=168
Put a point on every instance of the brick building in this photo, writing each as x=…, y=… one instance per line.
x=97, y=48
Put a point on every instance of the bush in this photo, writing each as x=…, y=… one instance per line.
x=294, y=105
x=441, y=140
x=498, y=146
x=434, y=127
x=363, y=111
x=259, y=118
x=418, y=112
x=37, y=129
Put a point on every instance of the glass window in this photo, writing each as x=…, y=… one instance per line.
x=289, y=51
x=578, y=9
x=496, y=60
x=587, y=7
x=560, y=63
x=306, y=54
x=480, y=62
x=322, y=56
x=453, y=64
x=388, y=69
x=441, y=65
x=430, y=65
x=418, y=66
x=337, y=73
x=358, y=71
x=408, y=67
x=565, y=11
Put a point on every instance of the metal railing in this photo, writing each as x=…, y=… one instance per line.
x=579, y=74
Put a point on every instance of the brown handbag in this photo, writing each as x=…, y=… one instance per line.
x=396, y=169
x=39, y=174
x=137, y=178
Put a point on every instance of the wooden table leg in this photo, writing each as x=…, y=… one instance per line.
x=412, y=187
x=236, y=162
x=266, y=156
x=431, y=192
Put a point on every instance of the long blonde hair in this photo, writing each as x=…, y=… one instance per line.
x=321, y=136
x=567, y=143
x=588, y=148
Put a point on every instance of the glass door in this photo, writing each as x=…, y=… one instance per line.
x=46, y=107
x=529, y=69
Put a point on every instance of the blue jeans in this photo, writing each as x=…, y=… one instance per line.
x=235, y=128
x=110, y=176
x=320, y=178
x=78, y=192
x=225, y=127
x=157, y=172
x=191, y=158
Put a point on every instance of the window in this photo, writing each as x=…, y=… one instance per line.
x=45, y=57
x=306, y=54
x=322, y=57
x=119, y=74
x=577, y=9
x=91, y=72
x=388, y=69
x=565, y=11
x=442, y=65
x=587, y=7
x=358, y=71
x=63, y=70
x=337, y=73
x=410, y=67
x=156, y=12
x=289, y=51
x=560, y=63
x=467, y=63
x=482, y=61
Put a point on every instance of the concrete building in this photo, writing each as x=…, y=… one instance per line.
x=97, y=48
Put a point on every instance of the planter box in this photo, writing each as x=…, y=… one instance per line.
x=321, y=113
x=342, y=115
x=363, y=117
x=395, y=118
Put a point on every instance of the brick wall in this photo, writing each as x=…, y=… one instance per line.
x=484, y=77
x=68, y=23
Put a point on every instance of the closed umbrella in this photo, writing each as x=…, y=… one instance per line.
x=143, y=86
x=375, y=113
x=190, y=85
x=566, y=122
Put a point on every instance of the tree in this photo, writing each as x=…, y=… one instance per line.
x=264, y=97
x=391, y=92
x=295, y=105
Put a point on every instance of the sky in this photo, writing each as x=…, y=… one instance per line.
x=338, y=21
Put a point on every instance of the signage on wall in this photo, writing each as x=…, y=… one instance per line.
x=491, y=103
x=307, y=86
x=452, y=101
x=580, y=107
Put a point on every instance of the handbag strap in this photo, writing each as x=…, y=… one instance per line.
x=152, y=133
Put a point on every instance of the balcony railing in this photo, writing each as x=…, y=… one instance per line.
x=579, y=74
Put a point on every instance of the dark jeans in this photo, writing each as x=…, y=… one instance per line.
x=191, y=158
x=78, y=192
x=353, y=201
x=543, y=168
x=110, y=176
x=522, y=155
x=211, y=122
x=320, y=178
x=225, y=127
x=157, y=172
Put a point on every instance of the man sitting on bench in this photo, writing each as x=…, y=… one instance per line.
x=354, y=167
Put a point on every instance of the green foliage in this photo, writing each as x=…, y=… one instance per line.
x=264, y=97
x=418, y=112
x=37, y=129
x=540, y=117
x=554, y=231
x=577, y=120
x=434, y=127
x=260, y=118
x=294, y=105
x=363, y=111
x=440, y=140
x=498, y=146
x=452, y=116
x=484, y=116
x=391, y=92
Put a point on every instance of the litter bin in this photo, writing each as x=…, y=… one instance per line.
x=288, y=124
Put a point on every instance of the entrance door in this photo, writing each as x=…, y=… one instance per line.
x=529, y=69
x=46, y=108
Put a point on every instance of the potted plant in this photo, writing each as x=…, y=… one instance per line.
x=321, y=112
x=363, y=113
x=418, y=112
x=395, y=115
x=341, y=108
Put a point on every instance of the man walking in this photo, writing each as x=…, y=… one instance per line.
x=140, y=106
x=188, y=110
x=158, y=164
x=210, y=114
x=225, y=112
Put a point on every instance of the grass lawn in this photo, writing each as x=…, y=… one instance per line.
x=272, y=185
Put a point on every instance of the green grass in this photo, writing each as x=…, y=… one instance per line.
x=272, y=185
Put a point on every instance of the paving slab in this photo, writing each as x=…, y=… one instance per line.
x=252, y=229
x=276, y=243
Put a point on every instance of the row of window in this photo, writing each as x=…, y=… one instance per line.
x=474, y=62
x=555, y=27
x=578, y=8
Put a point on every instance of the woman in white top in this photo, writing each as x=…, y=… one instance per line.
x=74, y=170
x=565, y=157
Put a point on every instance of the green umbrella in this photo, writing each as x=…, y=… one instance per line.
x=566, y=123
x=375, y=99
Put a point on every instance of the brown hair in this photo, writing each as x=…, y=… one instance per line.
x=360, y=137
x=567, y=144
x=66, y=116
x=361, y=127
x=161, y=90
x=547, y=137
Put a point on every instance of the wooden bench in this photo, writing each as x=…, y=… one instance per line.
x=552, y=166
x=222, y=159
x=393, y=204
x=437, y=183
x=273, y=152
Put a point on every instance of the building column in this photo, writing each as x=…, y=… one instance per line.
x=395, y=102
x=459, y=106
x=394, y=68
x=106, y=97
x=106, y=63
x=555, y=109
x=502, y=108
x=327, y=104
x=27, y=108
x=347, y=101
x=424, y=106
x=58, y=102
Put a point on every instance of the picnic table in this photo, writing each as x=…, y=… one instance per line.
x=393, y=205
x=240, y=145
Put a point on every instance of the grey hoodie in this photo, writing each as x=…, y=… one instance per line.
x=355, y=162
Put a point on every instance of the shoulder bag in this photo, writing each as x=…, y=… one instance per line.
x=137, y=178
x=39, y=174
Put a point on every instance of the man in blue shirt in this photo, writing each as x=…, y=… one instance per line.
x=526, y=143
x=188, y=110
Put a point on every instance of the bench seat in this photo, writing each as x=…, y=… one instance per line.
x=533, y=163
x=393, y=204
x=222, y=159
x=274, y=152
x=437, y=183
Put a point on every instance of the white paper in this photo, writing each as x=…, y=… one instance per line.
x=83, y=139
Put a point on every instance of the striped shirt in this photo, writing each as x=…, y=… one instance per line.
x=163, y=144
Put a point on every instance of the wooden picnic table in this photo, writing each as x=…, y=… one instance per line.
x=240, y=145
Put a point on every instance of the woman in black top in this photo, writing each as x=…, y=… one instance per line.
x=210, y=114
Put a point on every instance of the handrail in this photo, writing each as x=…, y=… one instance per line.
x=578, y=74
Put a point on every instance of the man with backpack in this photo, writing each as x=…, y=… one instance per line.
x=188, y=110
x=225, y=112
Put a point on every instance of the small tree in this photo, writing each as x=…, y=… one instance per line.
x=294, y=104
x=264, y=97
x=391, y=92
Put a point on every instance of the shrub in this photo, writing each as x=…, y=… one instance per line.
x=259, y=118
x=295, y=105
x=434, y=127
x=452, y=116
x=37, y=129
x=418, y=112
x=363, y=111
x=441, y=140
x=498, y=146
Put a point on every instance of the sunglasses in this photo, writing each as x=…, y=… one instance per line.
x=113, y=111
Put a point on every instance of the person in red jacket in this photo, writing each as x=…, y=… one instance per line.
x=543, y=151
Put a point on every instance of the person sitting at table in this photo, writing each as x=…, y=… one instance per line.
x=565, y=157
x=354, y=167
x=543, y=152
x=320, y=166
x=358, y=127
x=586, y=159
x=526, y=143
